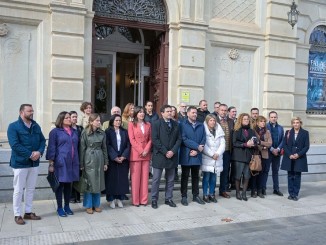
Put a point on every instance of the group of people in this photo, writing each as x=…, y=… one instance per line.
x=138, y=144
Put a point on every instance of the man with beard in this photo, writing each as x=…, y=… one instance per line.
x=27, y=146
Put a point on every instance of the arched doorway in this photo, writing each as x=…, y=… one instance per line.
x=316, y=95
x=130, y=53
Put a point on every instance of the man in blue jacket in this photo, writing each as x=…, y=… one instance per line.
x=193, y=141
x=277, y=133
x=27, y=146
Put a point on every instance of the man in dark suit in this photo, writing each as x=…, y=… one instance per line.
x=227, y=125
x=166, y=140
x=202, y=111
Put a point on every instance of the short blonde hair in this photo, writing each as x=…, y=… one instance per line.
x=296, y=119
x=210, y=116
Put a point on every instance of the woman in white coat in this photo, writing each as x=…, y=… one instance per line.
x=212, y=162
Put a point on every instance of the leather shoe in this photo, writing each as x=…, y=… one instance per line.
x=170, y=203
x=212, y=198
x=253, y=194
x=290, y=197
x=238, y=195
x=198, y=200
x=244, y=196
x=19, y=220
x=295, y=198
x=154, y=204
x=184, y=201
x=206, y=199
x=32, y=216
x=263, y=191
x=225, y=195
x=278, y=193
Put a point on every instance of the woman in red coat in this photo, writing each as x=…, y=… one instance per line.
x=140, y=137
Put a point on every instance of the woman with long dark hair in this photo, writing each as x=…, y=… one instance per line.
x=62, y=153
x=243, y=142
x=118, y=146
x=265, y=142
x=140, y=137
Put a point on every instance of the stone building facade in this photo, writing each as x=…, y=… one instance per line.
x=240, y=52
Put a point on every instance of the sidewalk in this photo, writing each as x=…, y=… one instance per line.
x=129, y=221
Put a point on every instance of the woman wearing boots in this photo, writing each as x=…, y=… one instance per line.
x=265, y=142
x=243, y=141
x=212, y=162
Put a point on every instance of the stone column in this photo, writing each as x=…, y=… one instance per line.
x=280, y=55
x=67, y=57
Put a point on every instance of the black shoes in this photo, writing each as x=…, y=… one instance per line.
x=263, y=191
x=278, y=193
x=150, y=175
x=253, y=194
x=260, y=194
x=206, y=199
x=238, y=195
x=198, y=200
x=212, y=198
x=154, y=204
x=244, y=196
x=293, y=198
x=170, y=203
x=184, y=201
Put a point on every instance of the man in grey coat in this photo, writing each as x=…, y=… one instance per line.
x=166, y=141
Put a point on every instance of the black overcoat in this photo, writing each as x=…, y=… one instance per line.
x=291, y=146
x=165, y=139
x=116, y=181
x=241, y=153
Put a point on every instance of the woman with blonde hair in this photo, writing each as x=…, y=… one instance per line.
x=296, y=145
x=264, y=143
x=212, y=161
x=243, y=141
x=94, y=161
x=128, y=115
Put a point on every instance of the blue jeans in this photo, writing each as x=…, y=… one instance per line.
x=224, y=176
x=294, y=183
x=275, y=162
x=209, y=181
x=266, y=164
x=92, y=200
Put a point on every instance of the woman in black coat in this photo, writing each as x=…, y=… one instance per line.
x=296, y=144
x=243, y=142
x=118, y=145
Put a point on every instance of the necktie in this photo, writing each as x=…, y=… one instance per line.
x=169, y=123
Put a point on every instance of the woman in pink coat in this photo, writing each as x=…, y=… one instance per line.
x=140, y=137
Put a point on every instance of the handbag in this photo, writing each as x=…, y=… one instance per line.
x=255, y=164
x=53, y=181
x=82, y=184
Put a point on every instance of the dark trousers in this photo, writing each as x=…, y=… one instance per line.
x=294, y=183
x=275, y=162
x=224, y=175
x=66, y=189
x=194, y=179
x=263, y=175
x=169, y=184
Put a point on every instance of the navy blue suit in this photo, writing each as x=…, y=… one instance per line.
x=299, y=146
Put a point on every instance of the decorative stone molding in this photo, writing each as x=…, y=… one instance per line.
x=3, y=30
x=233, y=54
x=235, y=10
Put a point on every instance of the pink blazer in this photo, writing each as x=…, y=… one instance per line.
x=140, y=142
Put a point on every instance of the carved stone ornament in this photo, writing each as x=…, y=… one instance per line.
x=233, y=54
x=3, y=30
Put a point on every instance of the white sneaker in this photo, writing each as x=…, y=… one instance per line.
x=112, y=204
x=120, y=205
